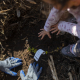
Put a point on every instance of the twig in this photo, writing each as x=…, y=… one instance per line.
x=53, y=69
x=70, y=76
x=3, y=11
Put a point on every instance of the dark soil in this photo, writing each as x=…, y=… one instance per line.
x=19, y=40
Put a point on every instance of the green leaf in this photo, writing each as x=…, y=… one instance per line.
x=46, y=52
x=32, y=49
x=57, y=48
x=29, y=49
x=35, y=50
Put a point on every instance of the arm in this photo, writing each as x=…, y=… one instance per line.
x=53, y=18
x=71, y=28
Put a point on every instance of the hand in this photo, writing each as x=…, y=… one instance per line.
x=33, y=73
x=43, y=33
x=10, y=63
x=55, y=29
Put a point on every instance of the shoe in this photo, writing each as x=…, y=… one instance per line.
x=76, y=49
x=67, y=51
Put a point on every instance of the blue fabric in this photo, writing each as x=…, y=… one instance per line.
x=73, y=49
x=19, y=61
x=16, y=66
x=15, y=74
x=39, y=75
x=35, y=67
x=22, y=72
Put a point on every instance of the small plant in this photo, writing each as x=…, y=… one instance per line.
x=32, y=50
x=35, y=50
x=46, y=52
x=29, y=49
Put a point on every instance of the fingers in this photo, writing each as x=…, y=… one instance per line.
x=36, y=68
x=7, y=71
x=33, y=71
x=39, y=72
x=34, y=65
x=42, y=29
x=15, y=65
x=9, y=58
x=49, y=36
x=18, y=60
x=22, y=74
x=29, y=69
x=54, y=31
x=14, y=73
x=58, y=33
x=42, y=37
x=54, y=25
x=41, y=34
x=15, y=60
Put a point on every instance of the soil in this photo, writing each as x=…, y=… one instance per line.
x=19, y=40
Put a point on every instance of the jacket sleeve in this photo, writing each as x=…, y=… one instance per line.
x=71, y=28
x=53, y=18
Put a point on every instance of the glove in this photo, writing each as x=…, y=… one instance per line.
x=10, y=63
x=33, y=73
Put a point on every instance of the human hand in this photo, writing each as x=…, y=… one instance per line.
x=43, y=33
x=32, y=74
x=10, y=63
x=54, y=29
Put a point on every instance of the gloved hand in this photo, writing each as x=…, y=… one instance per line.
x=33, y=73
x=10, y=63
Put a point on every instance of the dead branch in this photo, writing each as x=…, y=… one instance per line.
x=53, y=69
x=70, y=76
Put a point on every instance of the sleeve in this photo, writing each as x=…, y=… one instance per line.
x=78, y=20
x=53, y=18
x=71, y=28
